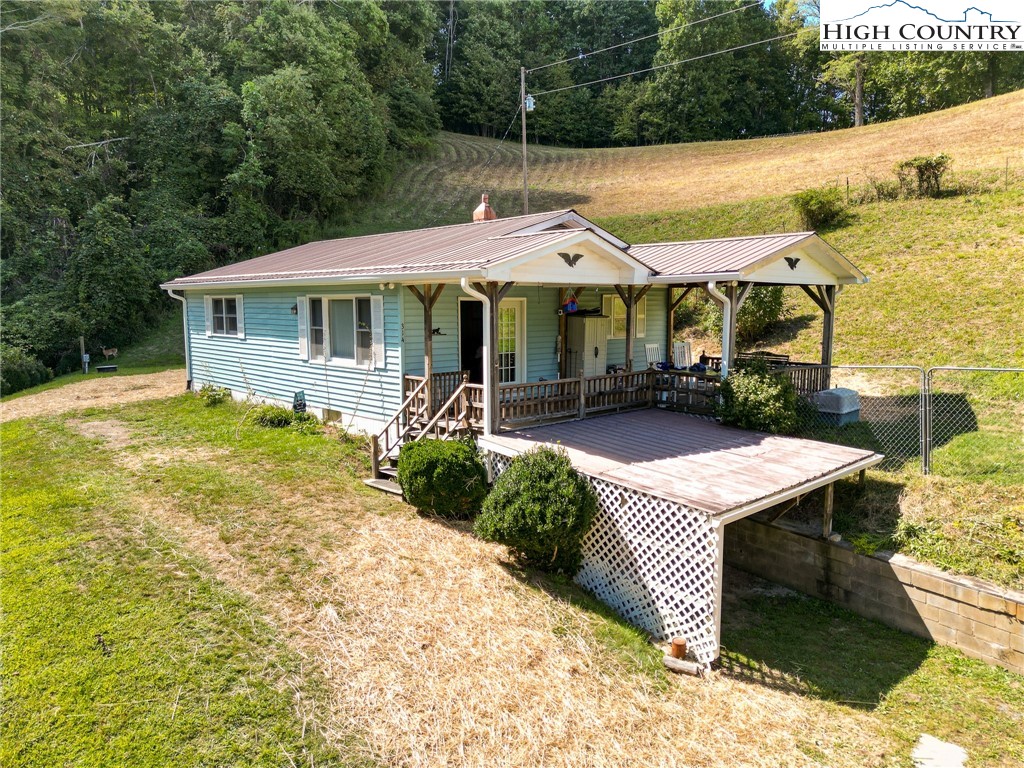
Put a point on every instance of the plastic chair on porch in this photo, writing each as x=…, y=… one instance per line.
x=682, y=357
x=653, y=352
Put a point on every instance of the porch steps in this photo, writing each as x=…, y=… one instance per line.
x=388, y=486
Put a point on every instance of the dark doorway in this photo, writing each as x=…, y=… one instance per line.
x=471, y=340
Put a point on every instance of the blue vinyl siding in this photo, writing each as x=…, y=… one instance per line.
x=267, y=360
x=656, y=331
x=541, y=329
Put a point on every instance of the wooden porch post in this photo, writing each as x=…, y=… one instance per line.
x=825, y=297
x=670, y=326
x=428, y=298
x=670, y=330
x=630, y=297
x=829, y=325
x=628, y=301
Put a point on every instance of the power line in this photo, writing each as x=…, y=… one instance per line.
x=664, y=66
x=639, y=39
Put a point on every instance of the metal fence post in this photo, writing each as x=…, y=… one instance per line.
x=926, y=420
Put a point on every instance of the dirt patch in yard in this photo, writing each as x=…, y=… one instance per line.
x=114, y=433
x=94, y=393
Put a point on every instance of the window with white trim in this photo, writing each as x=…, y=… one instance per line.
x=615, y=308
x=346, y=329
x=224, y=316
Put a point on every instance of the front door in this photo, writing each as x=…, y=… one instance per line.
x=471, y=339
x=511, y=340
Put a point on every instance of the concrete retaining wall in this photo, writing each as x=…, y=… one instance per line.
x=983, y=621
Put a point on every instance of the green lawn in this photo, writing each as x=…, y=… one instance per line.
x=159, y=559
x=120, y=647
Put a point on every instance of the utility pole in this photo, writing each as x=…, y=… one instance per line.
x=522, y=113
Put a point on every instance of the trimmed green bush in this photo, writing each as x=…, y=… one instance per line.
x=820, y=207
x=754, y=398
x=268, y=415
x=541, y=508
x=19, y=370
x=444, y=477
x=922, y=175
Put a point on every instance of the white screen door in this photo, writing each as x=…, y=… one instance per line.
x=511, y=349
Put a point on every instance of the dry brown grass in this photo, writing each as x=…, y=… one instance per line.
x=982, y=136
x=95, y=393
x=438, y=652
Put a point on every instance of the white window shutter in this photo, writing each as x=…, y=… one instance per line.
x=377, y=321
x=302, y=305
x=240, y=316
x=208, y=304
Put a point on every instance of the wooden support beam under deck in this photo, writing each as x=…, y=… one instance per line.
x=826, y=522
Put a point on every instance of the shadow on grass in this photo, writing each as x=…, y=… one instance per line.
x=786, y=330
x=891, y=425
x=778, y=638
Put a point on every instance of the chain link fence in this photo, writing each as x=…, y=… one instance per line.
x=974, y=423
x=950, y=421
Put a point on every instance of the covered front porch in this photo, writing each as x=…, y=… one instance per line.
x=583, y=326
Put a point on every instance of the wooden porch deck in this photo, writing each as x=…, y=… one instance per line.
x=726, y=472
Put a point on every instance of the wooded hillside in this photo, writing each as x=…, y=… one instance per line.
x=141, y=140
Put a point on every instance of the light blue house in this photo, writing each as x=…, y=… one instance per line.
x=521, y=329
x=356, y=323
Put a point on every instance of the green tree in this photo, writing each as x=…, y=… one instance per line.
x=728, y=95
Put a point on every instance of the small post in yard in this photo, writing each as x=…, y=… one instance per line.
x=522, y=112
x=374, y=456
x=826, y=522
x=85, y=357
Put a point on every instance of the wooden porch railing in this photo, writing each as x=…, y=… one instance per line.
x=618, y=391
x=544, y=401
x=452, y=418
x=410, y=413
x=808, y=378
x=539, y=401
x=686, y=391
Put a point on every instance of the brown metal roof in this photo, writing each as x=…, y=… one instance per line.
x=713, y=257
x=462, y=249
x=455, y=247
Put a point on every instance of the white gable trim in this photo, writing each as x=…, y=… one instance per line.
x=842, y=271
x=629, y=271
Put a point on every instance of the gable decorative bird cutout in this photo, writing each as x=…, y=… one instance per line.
x=570, y=259
x=792, y=261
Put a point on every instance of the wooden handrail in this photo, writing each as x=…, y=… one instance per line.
x=442, y=412
x=400, y=431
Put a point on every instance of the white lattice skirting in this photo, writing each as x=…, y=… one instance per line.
x=653, y=561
